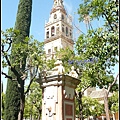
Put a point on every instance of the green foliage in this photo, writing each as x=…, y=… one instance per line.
x=35, y=53
x=114, y=102
x=35, y=59
x=65, y=55
x=12, y=101
x=31, y=48
x=99, y=43
x=33, y=101
x=91, y=107
x=7, y=39
x=3, y=104
x=17, y=45
x=50, y=64
x=23, y=19
x=97, y=8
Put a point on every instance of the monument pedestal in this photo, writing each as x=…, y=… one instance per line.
x=58, y=101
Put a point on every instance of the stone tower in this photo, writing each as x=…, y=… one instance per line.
x=58, y=30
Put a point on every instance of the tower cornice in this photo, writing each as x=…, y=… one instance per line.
x=56, y=37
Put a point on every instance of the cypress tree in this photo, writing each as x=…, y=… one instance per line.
x=12, y=101
x=15, y=97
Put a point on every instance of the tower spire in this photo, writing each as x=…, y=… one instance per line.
x=58, y=3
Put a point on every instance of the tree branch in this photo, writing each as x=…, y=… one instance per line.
x=109, y=88
x=9, y=44
x=9, y=64
x=82, y=92
x=6, y=76
x=28, y=88
x=108, y=20
x=13, y=69
x=78, y=29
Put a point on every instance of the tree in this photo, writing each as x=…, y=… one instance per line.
x=15, y=97
x=100, y=43
x=65, y=55
x=3, y=104
x=33, y=106
x=35, y=54
x=91, y=107
x=113, y=102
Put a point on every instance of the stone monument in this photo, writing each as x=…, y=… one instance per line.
x=58, y=89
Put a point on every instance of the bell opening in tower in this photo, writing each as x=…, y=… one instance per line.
x=52, y=31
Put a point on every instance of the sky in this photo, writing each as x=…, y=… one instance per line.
x=40, y=13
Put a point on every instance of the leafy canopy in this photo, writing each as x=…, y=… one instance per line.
x=99, y=43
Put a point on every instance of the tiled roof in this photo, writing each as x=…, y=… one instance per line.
x=98, y=94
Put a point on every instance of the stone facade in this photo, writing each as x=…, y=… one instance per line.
x=58, y=30
x=58, y=97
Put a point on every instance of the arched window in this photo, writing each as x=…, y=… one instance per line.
x=49, y=51
x=62, y=29
x=47, y=34
x=55, y=16
x=52, y=31
x=62, y=17
x=66, y=31
x=71, y=33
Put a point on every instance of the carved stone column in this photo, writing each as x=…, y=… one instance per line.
x=58, y=102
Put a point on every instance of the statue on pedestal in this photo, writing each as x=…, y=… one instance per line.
x=73, y=73
x=58, y=69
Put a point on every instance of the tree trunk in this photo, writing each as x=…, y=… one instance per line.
x=22, y=103
x=80, y=106
x=30, y=116
x=40, y=111
x=21, y=112
x=106, y=105
x=38, y=117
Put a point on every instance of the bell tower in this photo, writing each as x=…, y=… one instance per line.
x=58, y=30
